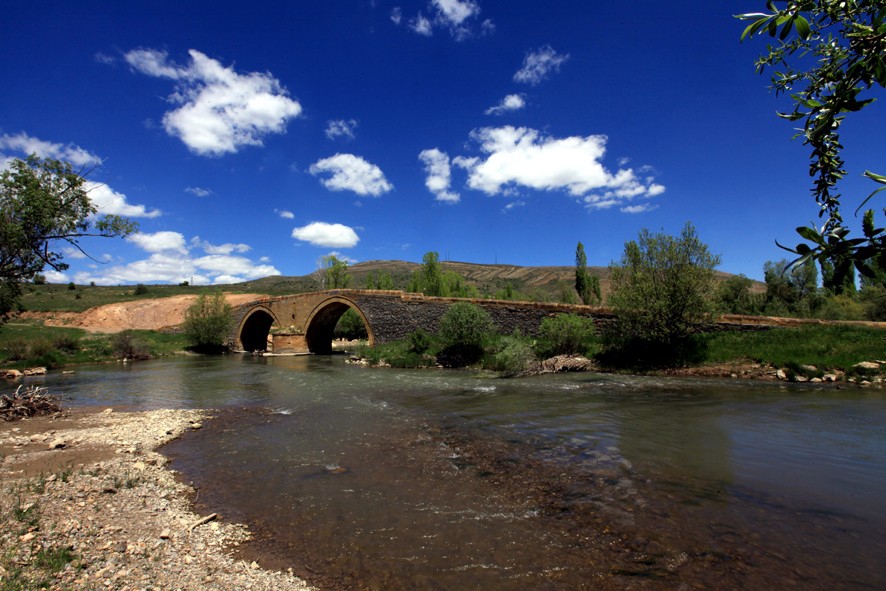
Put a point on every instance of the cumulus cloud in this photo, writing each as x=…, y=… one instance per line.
x=439, y=174
x=512, y=102
x=199, y=191
x=327, y=235
x=286, y=215
x=523, y=157
x=172, y=260
x=219, y=110
x=340, y=128
x=160, y=242
x=110, y=202
x=538, y=64
x=641, y=208
x=396, y=15
x=351, y=173
x=107, y=200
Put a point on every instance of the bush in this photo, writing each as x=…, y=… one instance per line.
x=140, y=289
x=464, y=329
x=514, y=355
x=566, y=334
x=420, y=341
x=126, y=345
x=208, y=322
x=662, y=290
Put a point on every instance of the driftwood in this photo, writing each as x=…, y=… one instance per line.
x=32, y=402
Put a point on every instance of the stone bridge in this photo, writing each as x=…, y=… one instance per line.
x=304, y=323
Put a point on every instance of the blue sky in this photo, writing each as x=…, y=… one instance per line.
x=252, y=141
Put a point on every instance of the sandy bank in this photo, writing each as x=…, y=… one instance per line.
x=91, y=489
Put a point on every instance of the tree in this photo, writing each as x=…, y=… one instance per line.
x=662, y=290
x=44, y=202
x=334, y=272
x=428, y=279
x=464, y=328
x=587, y=286
x=847, y=38
x=791, y=290
x=208, y=322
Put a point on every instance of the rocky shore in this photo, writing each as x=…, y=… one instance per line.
x=89, y=504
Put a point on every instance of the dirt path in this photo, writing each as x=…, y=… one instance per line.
x=153, y=314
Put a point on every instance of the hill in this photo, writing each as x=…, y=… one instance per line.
x=529, y=283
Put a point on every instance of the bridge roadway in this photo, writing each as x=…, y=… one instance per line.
x=304, y=323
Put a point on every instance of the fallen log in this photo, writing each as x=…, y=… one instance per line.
x=32, y=402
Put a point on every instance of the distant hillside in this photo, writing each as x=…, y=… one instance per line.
x=530, y=283
x=536, y=283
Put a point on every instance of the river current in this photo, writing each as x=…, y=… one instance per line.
x=365, y=478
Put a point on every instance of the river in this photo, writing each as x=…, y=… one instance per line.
x=361, y=478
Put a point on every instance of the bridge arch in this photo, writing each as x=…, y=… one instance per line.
x=255, y=327
x=320, y=325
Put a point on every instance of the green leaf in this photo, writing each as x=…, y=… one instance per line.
x=803, y=28
x=810, y=234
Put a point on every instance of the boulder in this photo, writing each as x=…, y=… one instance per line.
x=867, y=365
x=35, y=371
x=10, y=374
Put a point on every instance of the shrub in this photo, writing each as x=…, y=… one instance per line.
x=208, y=322
x=72, y=286
x=566, y=334
x=464, y=329
x=420, y=341
x=514, y=355
x=126, y=345
x=140, y=289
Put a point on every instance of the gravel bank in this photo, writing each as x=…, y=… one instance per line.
x=88, y=504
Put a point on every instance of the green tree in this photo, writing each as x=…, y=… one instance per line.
x=208, y=322
x=734, y=294
x=463, y=331
x=44, y=203
x=428, y=279
x=838, y=49
x=334, y=272
x=587, y=286
x=662, y=290
x=791, y=290
x=350, y=326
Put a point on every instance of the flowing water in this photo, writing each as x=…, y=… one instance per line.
x=439, y=479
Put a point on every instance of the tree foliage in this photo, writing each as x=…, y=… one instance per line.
x=566, y=334
x=208, y=322
x=44, y=203
x=662, y=289
x=587, y=286
x=334, y=272
x=847, y=38
x=431, y=280
x=463, y=330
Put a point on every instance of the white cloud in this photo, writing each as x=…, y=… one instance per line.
x=642, y=208
x=160, y=242
x=457, y=16
x=455, y=12
x=328, y=235
x=171, y=261
x=286, y=215
x=523, y=157
x=223, y=249
x=351, y=173
x=341, y=128
x=512, y=102
x=220, y=110
x=538, y=64
x=71, y=252
x=53, y=276
x=199, y=191
x=110, y=202
x=105, y=199
x=439, y=174
x=421, y=25
x=27, y=145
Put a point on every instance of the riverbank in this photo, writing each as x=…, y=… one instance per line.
x=90, y=503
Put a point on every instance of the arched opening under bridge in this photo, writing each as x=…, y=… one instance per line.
x=320, y=329
x=255, y=330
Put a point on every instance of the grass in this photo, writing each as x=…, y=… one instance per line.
x=30, y=344
x=826, y=347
